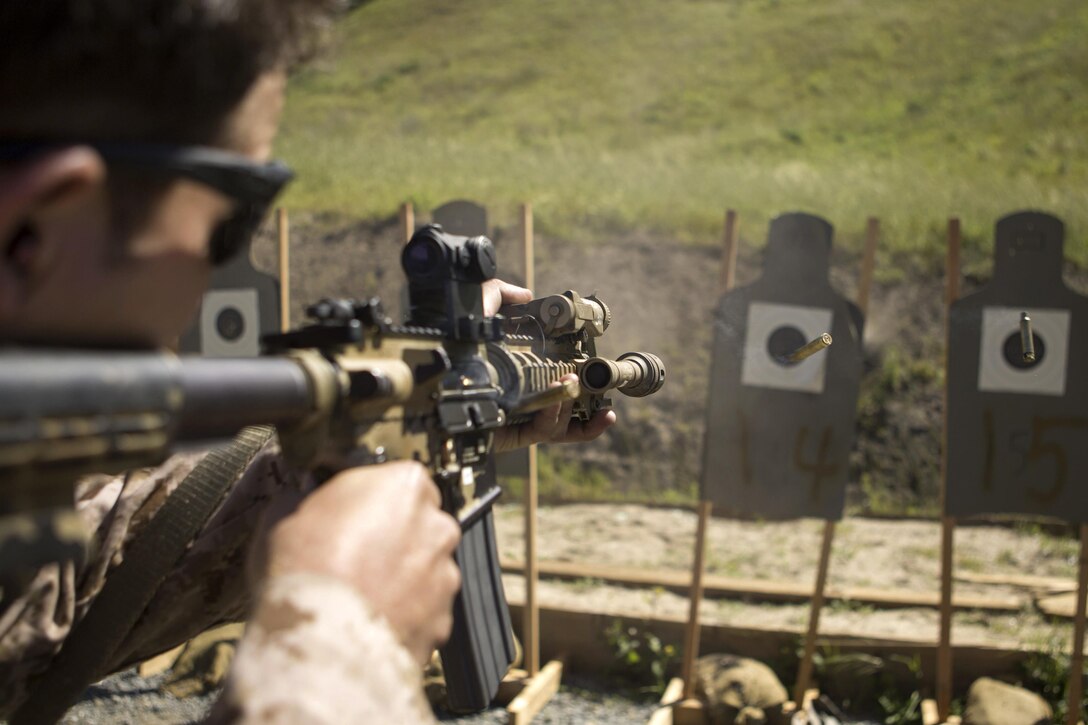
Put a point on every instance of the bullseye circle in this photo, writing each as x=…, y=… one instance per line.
x=230, y=324
x=784, y=341
x=1014, y=352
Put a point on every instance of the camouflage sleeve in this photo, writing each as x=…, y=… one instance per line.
x=314, y=652
x=207, y=586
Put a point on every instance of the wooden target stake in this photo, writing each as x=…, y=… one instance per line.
x=948, y=524
x=1075, y=689
x=407, y=221
x=284, y=229
x=535, y=686
x=679, y=704
x=531, y=624
x=691, y=636
x=804, y=672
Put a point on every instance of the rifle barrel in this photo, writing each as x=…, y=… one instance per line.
x=224, y=395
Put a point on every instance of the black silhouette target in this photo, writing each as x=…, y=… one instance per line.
x=779, y=433
x=241, y=305
x=464, y=218
x=1018, y=430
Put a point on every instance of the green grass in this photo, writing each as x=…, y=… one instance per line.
x=615, y=116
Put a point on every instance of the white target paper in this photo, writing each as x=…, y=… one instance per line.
x=760, y=369
x=245, y=303
x=1047, y=377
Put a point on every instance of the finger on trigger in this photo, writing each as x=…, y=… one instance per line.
x=566, y=410
x=448, y=532
x=421, y=481
x=546, y=421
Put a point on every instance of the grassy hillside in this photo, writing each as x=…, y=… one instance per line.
x=613, y=115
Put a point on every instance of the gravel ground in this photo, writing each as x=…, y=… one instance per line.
x=129, y=698
x=578, y=702
x=871, y=553
x=874, y=553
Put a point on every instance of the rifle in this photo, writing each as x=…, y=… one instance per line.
x=351, y=388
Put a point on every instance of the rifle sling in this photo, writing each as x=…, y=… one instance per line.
x=129, y=588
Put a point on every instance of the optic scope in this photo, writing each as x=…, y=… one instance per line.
x=446, y=273
x=432, y=255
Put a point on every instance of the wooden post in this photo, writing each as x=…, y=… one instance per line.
x=948, y=524
x=691, y=636
x=535, y=684
x=804, y=674
x=285, y=268
x=944, y=643
x=531, y=613
x=527, y=242
x=726, y=281
x=407, y=220
x=868, y=264
x=1075, y=689
x=729, y=252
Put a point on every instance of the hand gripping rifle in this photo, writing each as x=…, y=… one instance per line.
x=351, y=388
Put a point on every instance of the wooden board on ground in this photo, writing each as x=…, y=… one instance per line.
x=1018, y=428
x=810, y=696
x=929, y=712
x=673, y=692
x=511, y=686
x=779, y=432
x=578, y=635
x=760, y=589
x=1047, y=584
x=160, y=663
x=689, y=712
x=1058, y=605
x=539, y=689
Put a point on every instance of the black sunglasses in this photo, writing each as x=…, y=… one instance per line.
x=253, y=186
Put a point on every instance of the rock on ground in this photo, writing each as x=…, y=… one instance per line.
x=739, y=690
x=991, y=702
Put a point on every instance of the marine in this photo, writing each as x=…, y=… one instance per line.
x=132, y=135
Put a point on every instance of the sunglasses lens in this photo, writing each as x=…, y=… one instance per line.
x=234, y=234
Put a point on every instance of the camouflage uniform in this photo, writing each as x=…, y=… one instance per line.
x=315, y=653
x=208, y=586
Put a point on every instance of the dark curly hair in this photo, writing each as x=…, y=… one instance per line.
x=150, y=70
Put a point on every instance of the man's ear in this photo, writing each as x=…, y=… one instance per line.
x=31, y=194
